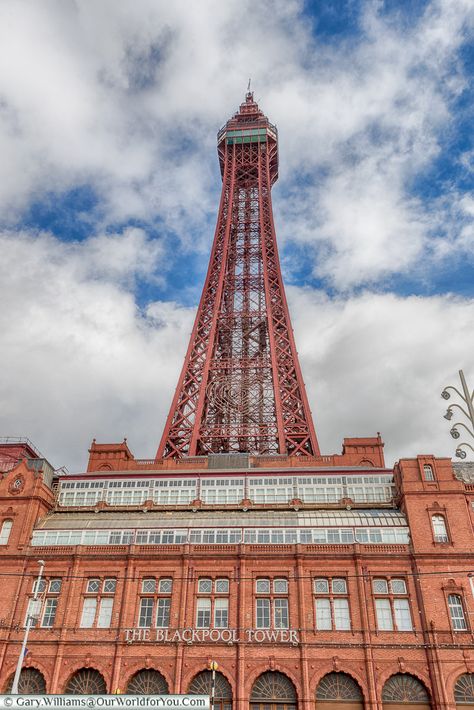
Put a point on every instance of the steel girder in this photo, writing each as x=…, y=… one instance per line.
x=241, y=387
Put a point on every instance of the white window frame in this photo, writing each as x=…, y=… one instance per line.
x=145, y=612
x=203, y=613
x=457, y=612
x=104, y=616
x=163, y=612
x=5, y=531
x=221, y=613
x=440, y=530
x=88, y=614
x=383, y=611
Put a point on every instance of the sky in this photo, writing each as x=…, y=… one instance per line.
x=109, y=189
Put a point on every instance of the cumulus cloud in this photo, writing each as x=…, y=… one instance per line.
x=127, y=97
x=376, y=122
x=78, y=358
x=378, y=362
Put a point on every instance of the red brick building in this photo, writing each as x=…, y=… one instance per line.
x=314, y=581
x=335, y=575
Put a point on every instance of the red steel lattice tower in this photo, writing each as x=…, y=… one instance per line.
x=241, y=388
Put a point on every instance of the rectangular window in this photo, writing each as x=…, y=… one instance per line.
x=280, y=613
x=342, y=619
x=263, y=613
x=221, y=613
x=93, y=586
x=398, y=586
x=339, y=586
x=321, y=586
x=105, y=612
x=49, y=613
x=203, y=615
x=55, y=586
x=384, y=615
x=88, y=612
x=439, y=528
x=456, y=612
x=165, y=586
x=146, y=612
x=262, y=586
x=110, y=586
x=205, y=586
x=380, y=586
x=323, y=614
x=33, y=611
x=5, y=531
x=401, y=608
x=163, y=613
x=41, y=586
x=148, y=586
x=280, y=586
x=222, y=586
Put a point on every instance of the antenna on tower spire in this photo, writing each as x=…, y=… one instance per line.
x=249, y=94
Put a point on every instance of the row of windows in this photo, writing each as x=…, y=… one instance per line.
x=324, y=489
x=272, y=690
x=385, y=479
x=331, y=604
x=228, y=536
x=223, y=536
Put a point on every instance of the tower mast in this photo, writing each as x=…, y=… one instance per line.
x=241, y=387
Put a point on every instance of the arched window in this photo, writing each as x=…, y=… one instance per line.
x=147, y=682
x=5, y=531
x=86, y=681
x=201, y=685
x=456, y=612
x=439, y=528
x=338, y=686
x=464, y=689
x=31, y=682
x=428, y=472
x=273, y=691
x=404, y=688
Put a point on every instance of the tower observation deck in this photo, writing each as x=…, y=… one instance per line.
x=241, y=387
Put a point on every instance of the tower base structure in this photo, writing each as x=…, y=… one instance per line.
x=356, y=451
x=328, y=583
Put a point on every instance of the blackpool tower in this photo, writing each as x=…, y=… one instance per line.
x=241, y=387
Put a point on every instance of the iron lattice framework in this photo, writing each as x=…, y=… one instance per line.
x=241, y=388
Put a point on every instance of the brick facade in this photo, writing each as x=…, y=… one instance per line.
x=432, y=651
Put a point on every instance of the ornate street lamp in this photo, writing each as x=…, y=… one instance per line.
x=467, y=397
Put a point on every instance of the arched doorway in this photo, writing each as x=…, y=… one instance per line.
x=147, y=682
x=201, y=685
x=464, y=690
x=404, y=689
x=31, y=682
x=338, y=690
x=86, y=681
x=273, y=691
